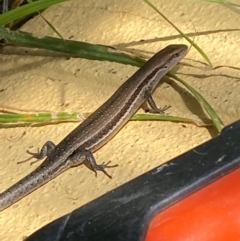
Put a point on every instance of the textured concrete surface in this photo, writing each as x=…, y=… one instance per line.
x=35, y=79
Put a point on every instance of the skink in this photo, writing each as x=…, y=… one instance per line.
x=78, y=146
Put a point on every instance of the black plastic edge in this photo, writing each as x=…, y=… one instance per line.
x=124, y=213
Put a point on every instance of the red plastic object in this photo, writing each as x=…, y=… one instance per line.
x=210, y=214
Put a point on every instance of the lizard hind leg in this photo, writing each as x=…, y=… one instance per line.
x=86, y=157
x=92, y=165
x=45, y=151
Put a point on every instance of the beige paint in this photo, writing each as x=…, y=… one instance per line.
x=37, y=80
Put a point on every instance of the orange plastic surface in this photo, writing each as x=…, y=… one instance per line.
x=210, y=214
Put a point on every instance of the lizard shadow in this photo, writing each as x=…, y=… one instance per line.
x=192, y=104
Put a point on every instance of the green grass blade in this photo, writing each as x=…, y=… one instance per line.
x=184, y=35
x=47, y=22
x=71, y=47
x=223, y=2
x=22, y=11
x=25, y=119
x=47, y=117
x=50, y=25
x=158, y=117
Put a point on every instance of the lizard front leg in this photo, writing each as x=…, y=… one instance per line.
x=153, y=105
